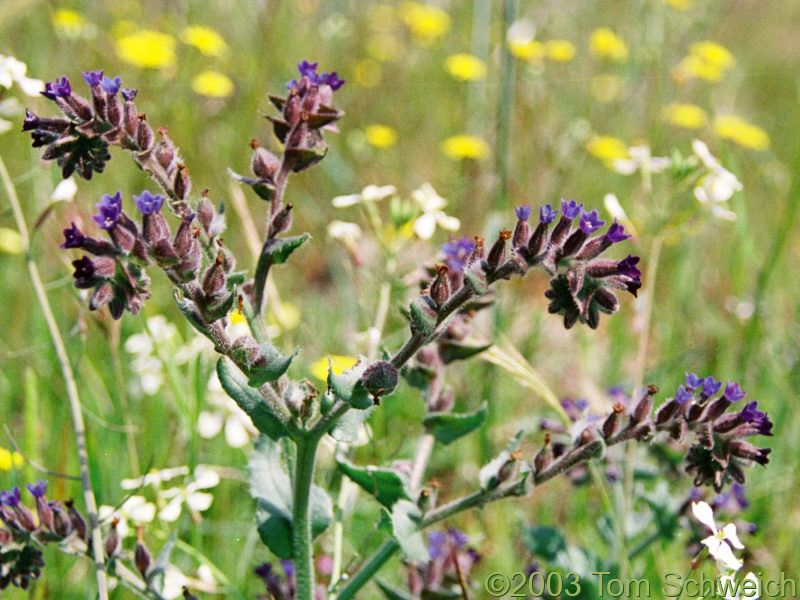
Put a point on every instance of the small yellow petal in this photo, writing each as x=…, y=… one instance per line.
x=205, y=39
x=5, y=460
x=682, y=5
x=10, y=241
x=147, y=49
x=741, y=132
x=531, y=51
x=380, y=136
x=465, y=146
x=425, y=22
x=465, y=67
x=319, y=368
x=71, y=24
x=607, y=148
x=559, y=50
x=212, y=84
x=688, y=116
x=604, y=43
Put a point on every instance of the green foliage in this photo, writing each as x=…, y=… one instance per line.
x=448, y=427
x=387, y=485
x=405, y=528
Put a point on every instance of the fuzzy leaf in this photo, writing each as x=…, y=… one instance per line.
x=250, y=401
x=349, y=387
x=458, y=351
x=272, y=489
x=447, y=427
x=274, y=252
x=544, y=542
x=387, y=485
x=476, y=279
x=269, y=366
x=488, y=474
x=422, y=313
x=405, y=528
x=262, y=187
x=349, y=425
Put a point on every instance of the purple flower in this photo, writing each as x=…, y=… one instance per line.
x=523, y=212
x=711, y=387
x=738, y=493
x=93, y=78
x=110, y=209
x=288, y=567
x=73, y=238
x=627, y=267
x=331, y=79
x=570, y=209
x=308, y=69
x=616, y=233
x=759, y=418
x=458, y=537
x=683, y=395
x=128, y=93
x=59, y=88
x=456, y=253
x=547, y=214
x=31, y=121
x=694, y=381
x=111, y=86
x=84, y=272
x=733, y=392
x=10, y=498
x=590, y=222
x=37, y=489
x=436, y=542
x=148, y=203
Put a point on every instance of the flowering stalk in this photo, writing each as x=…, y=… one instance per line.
x=78, y=426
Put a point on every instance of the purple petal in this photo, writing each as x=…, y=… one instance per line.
x=523, y=212
x=616, y=233
x=590, y=222
x=547, y=214
x=93, y=78
x=111, y=86
x=570, y=209
x=37, y=489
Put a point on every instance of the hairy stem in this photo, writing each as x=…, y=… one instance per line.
x=69, y=381
x=302, y=546
x=423, y=454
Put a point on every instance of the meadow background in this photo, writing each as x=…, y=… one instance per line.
x=519, y=122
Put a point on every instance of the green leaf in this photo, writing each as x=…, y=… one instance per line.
x=250, y=401
x=476, y=279
x=262, y=187
x=272, y=489
x=349, y=387
x=405, y=528
x=422, y=313
x=155, y=574
x=387, y=485
x=447, y=427
x=391, y=592
x=488, y=474
x=544, y=542
x=348, y=426
x=451, y=350
x=269, y=365
x=274, y=252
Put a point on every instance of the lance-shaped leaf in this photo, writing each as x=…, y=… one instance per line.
x=488, y=475
x=349, y=425
x=190, y=311
x=272, y=488
x=451, y=350
x=391, y=592
x=349, y=386
x=268, y=366
x=447, y=427
x=264, y=188
x=250, y=401
x=274, y=252
x=387, y=485
x=406, y=517
x=155, y=574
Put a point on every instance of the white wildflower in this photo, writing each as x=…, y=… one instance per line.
x=65, y=191
x=371, y=193
x=136, y=510
x=720, y=541
x=196, y=500
x=431, y=205
x=717, y=185
x=640, y=159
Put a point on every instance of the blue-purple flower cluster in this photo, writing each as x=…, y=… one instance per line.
x=309, y=70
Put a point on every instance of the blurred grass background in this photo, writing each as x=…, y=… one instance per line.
x=725, y=300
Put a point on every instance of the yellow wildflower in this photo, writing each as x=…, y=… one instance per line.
x=212, y=84
x=380, y=136
x=521, y=43
x=681, y=5
x=604, y=43
x=607, y=148
x=689, y=116
x=319, y=368
x=10, y=459
x=73, y=25
x=147, y=49
x=706, y=60
x=465, y=67
x=10, y=241
x=741, y=132
x=605, y=87
x=559, y=50
x=465, y=146
x=205, y=39
x=425, y=22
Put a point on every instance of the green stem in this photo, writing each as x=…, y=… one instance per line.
x=504, y=106
x=69, y=380
x=301, y=517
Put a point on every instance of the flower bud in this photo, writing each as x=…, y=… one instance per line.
x=522, y=230
x=264, y=164
x=76, y=520
x=214, y=278
x=79, y=106
x=497, y=253
x=282, y=220
x=645, y=405
x=144, y=134
x=112, y=542
x=102, y=295
x=165, y=150
x=61, y=525
x=440, y=287
x=478, y=251
x=613, y=422
x=130, y=116
x=380, y=379
x=182, y=183
x=544, y=457
x=141, y=555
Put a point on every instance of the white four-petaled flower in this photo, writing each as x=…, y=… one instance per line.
x=720, y=541
x=431, y=205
